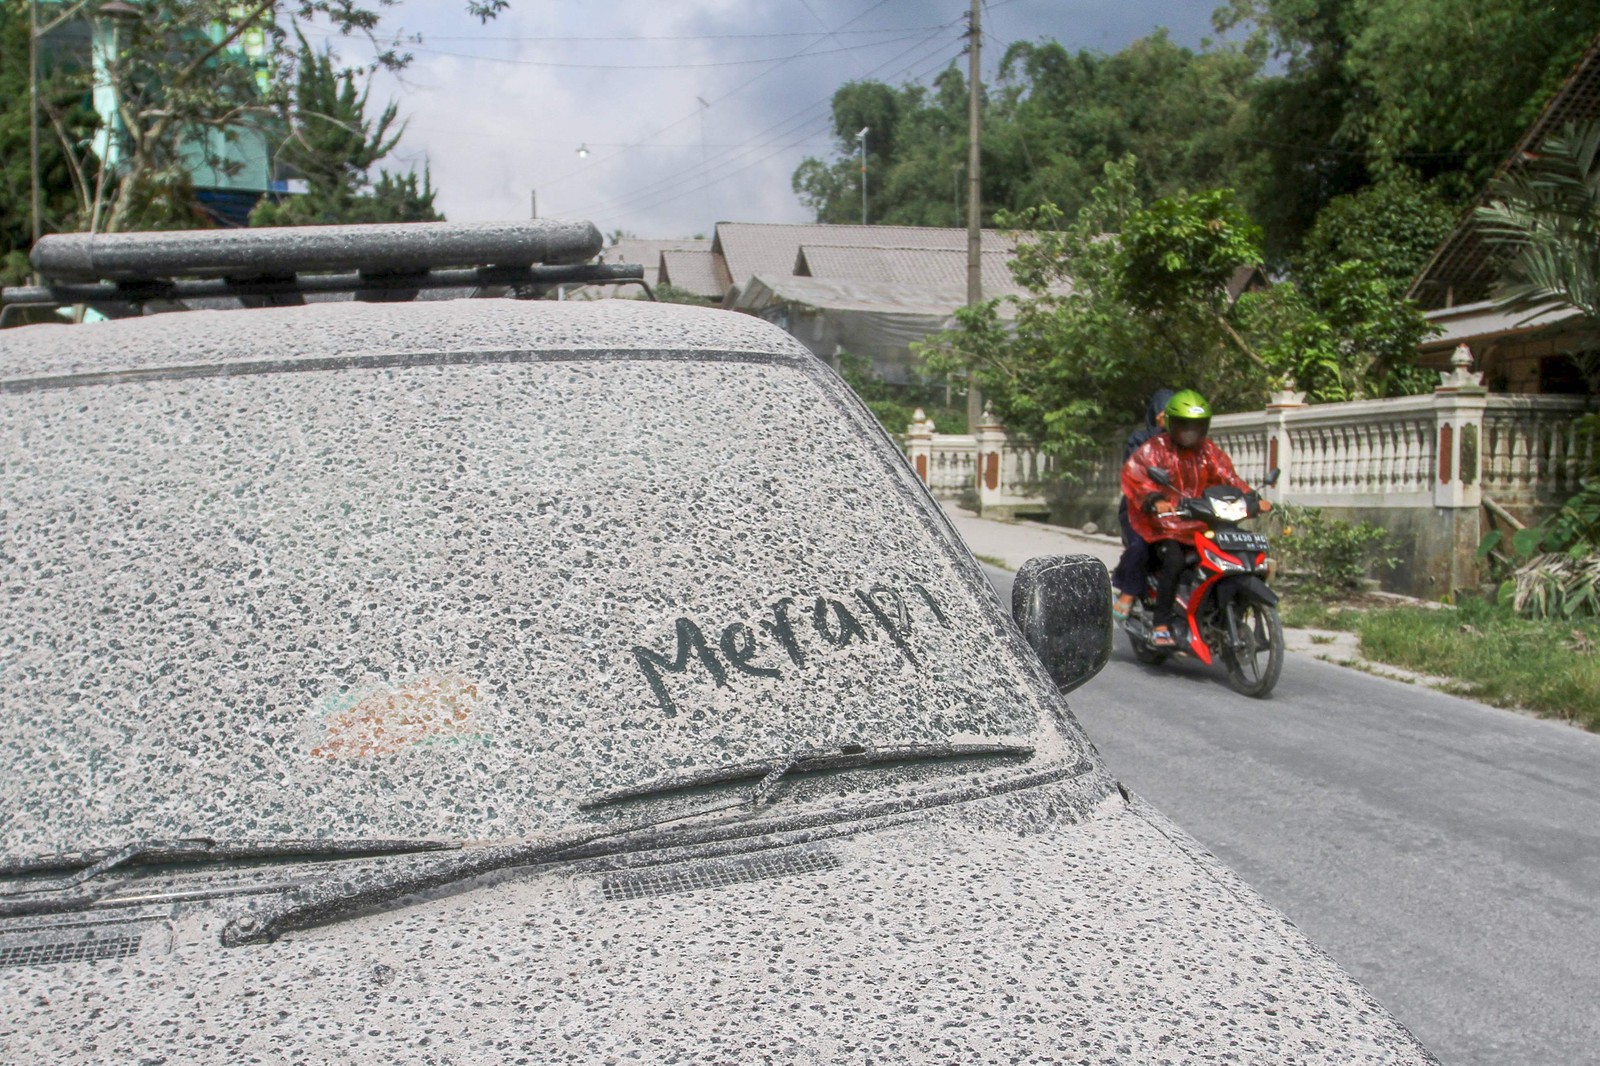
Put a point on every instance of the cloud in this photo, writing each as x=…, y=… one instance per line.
x=500, y=111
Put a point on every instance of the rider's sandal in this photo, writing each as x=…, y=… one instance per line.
x=1161, y=637
x=1121, y=607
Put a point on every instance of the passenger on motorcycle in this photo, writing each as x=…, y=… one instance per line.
x=1193, y=463
x=1129, y=576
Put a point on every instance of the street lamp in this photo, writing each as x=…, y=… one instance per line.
x=583, y=151
x=862, y=137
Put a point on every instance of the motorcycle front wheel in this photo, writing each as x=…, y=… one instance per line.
x=1255, y=662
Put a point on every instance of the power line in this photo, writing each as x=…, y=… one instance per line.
x=737, y=88
x=653, y=66
x=667, y=183
x=654, y=195
x=676, y=37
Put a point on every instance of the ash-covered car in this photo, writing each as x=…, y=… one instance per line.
x=497, y=680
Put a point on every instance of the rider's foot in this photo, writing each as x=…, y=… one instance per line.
x=1161, y=637
x=1123, y=605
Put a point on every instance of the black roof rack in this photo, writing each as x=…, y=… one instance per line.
x=395, y=261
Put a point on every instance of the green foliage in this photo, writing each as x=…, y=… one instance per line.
x=1544, y=219
x=1370, y=89
x=1063, y=362
x=333, y=145
x=1178, y=253
x=191, y=77
x=1558, y=585
x=1358, y=342
x=1130, y=297
x=1391, y=226
x=1057, y=119
x=1545, y=666
x=1328, y=554
x=1552, y=570
x=671, y=294
x=1446, y=86
x=64, y=110
x=895, y=405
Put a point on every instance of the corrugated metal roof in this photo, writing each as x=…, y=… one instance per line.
x=1479, y=323
x=696, y=271
x=770, y=249
x=1461, y=271
x=935, y=267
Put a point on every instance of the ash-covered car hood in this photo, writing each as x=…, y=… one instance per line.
x=1036, y=927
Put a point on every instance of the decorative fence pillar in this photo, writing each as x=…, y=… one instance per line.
x=1459, y=404
x=991, y=452
x=1280, y=446
x=919, y=445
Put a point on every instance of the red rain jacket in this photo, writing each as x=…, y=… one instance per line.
x=1192, y=472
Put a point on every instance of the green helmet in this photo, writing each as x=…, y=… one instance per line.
x=1188, y=418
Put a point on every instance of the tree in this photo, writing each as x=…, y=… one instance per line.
x=1438, y=89
x=1057, y=118
x=182, y=86
x=333, y=145
x=77, y=124
x=1394, y=225
x=1125, y=299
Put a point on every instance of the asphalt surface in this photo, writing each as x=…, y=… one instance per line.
x=1445, y=853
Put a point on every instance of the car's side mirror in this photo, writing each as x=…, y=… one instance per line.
x=1062, y=604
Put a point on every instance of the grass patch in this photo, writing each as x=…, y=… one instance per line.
x=1548, y=667
x=1309, y=612
x=994, y=561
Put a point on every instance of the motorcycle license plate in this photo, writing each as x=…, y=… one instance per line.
x=1238, y=540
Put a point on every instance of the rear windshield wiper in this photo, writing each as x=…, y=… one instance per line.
x=770, y=772
x=314, y=903
x=88, y=865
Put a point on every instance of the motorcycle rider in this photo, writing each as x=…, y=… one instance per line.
x=1194, y=463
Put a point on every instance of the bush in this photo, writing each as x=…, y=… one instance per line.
x=1327, y=554
x=1555, y=566
x=894, y=404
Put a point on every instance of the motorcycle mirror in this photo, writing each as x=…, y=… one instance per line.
x=1062, y=604
x=1159, y=476
x=1272, y=478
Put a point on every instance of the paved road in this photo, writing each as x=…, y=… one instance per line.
x=1446, y=853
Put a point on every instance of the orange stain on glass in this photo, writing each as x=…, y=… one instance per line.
x=432, y=707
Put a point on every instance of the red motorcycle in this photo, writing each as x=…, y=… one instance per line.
x=1225, y=608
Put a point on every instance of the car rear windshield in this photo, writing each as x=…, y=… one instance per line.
x=455, y=596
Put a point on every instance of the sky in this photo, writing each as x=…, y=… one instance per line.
x=660, y=118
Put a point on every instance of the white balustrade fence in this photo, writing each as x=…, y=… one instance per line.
x=989, y=468
x=1448, y=449
x=1424, y=464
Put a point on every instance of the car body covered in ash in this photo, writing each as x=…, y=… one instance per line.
x=496, y=680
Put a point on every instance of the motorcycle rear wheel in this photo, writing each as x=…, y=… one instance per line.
x=1254, y=666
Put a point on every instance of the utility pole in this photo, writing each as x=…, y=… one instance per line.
x=974, y=200
x=862, y=137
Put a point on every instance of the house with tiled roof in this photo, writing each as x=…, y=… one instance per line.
x=870, y=290
x=1516, y=353
x=696, y=271
x=942, y=269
